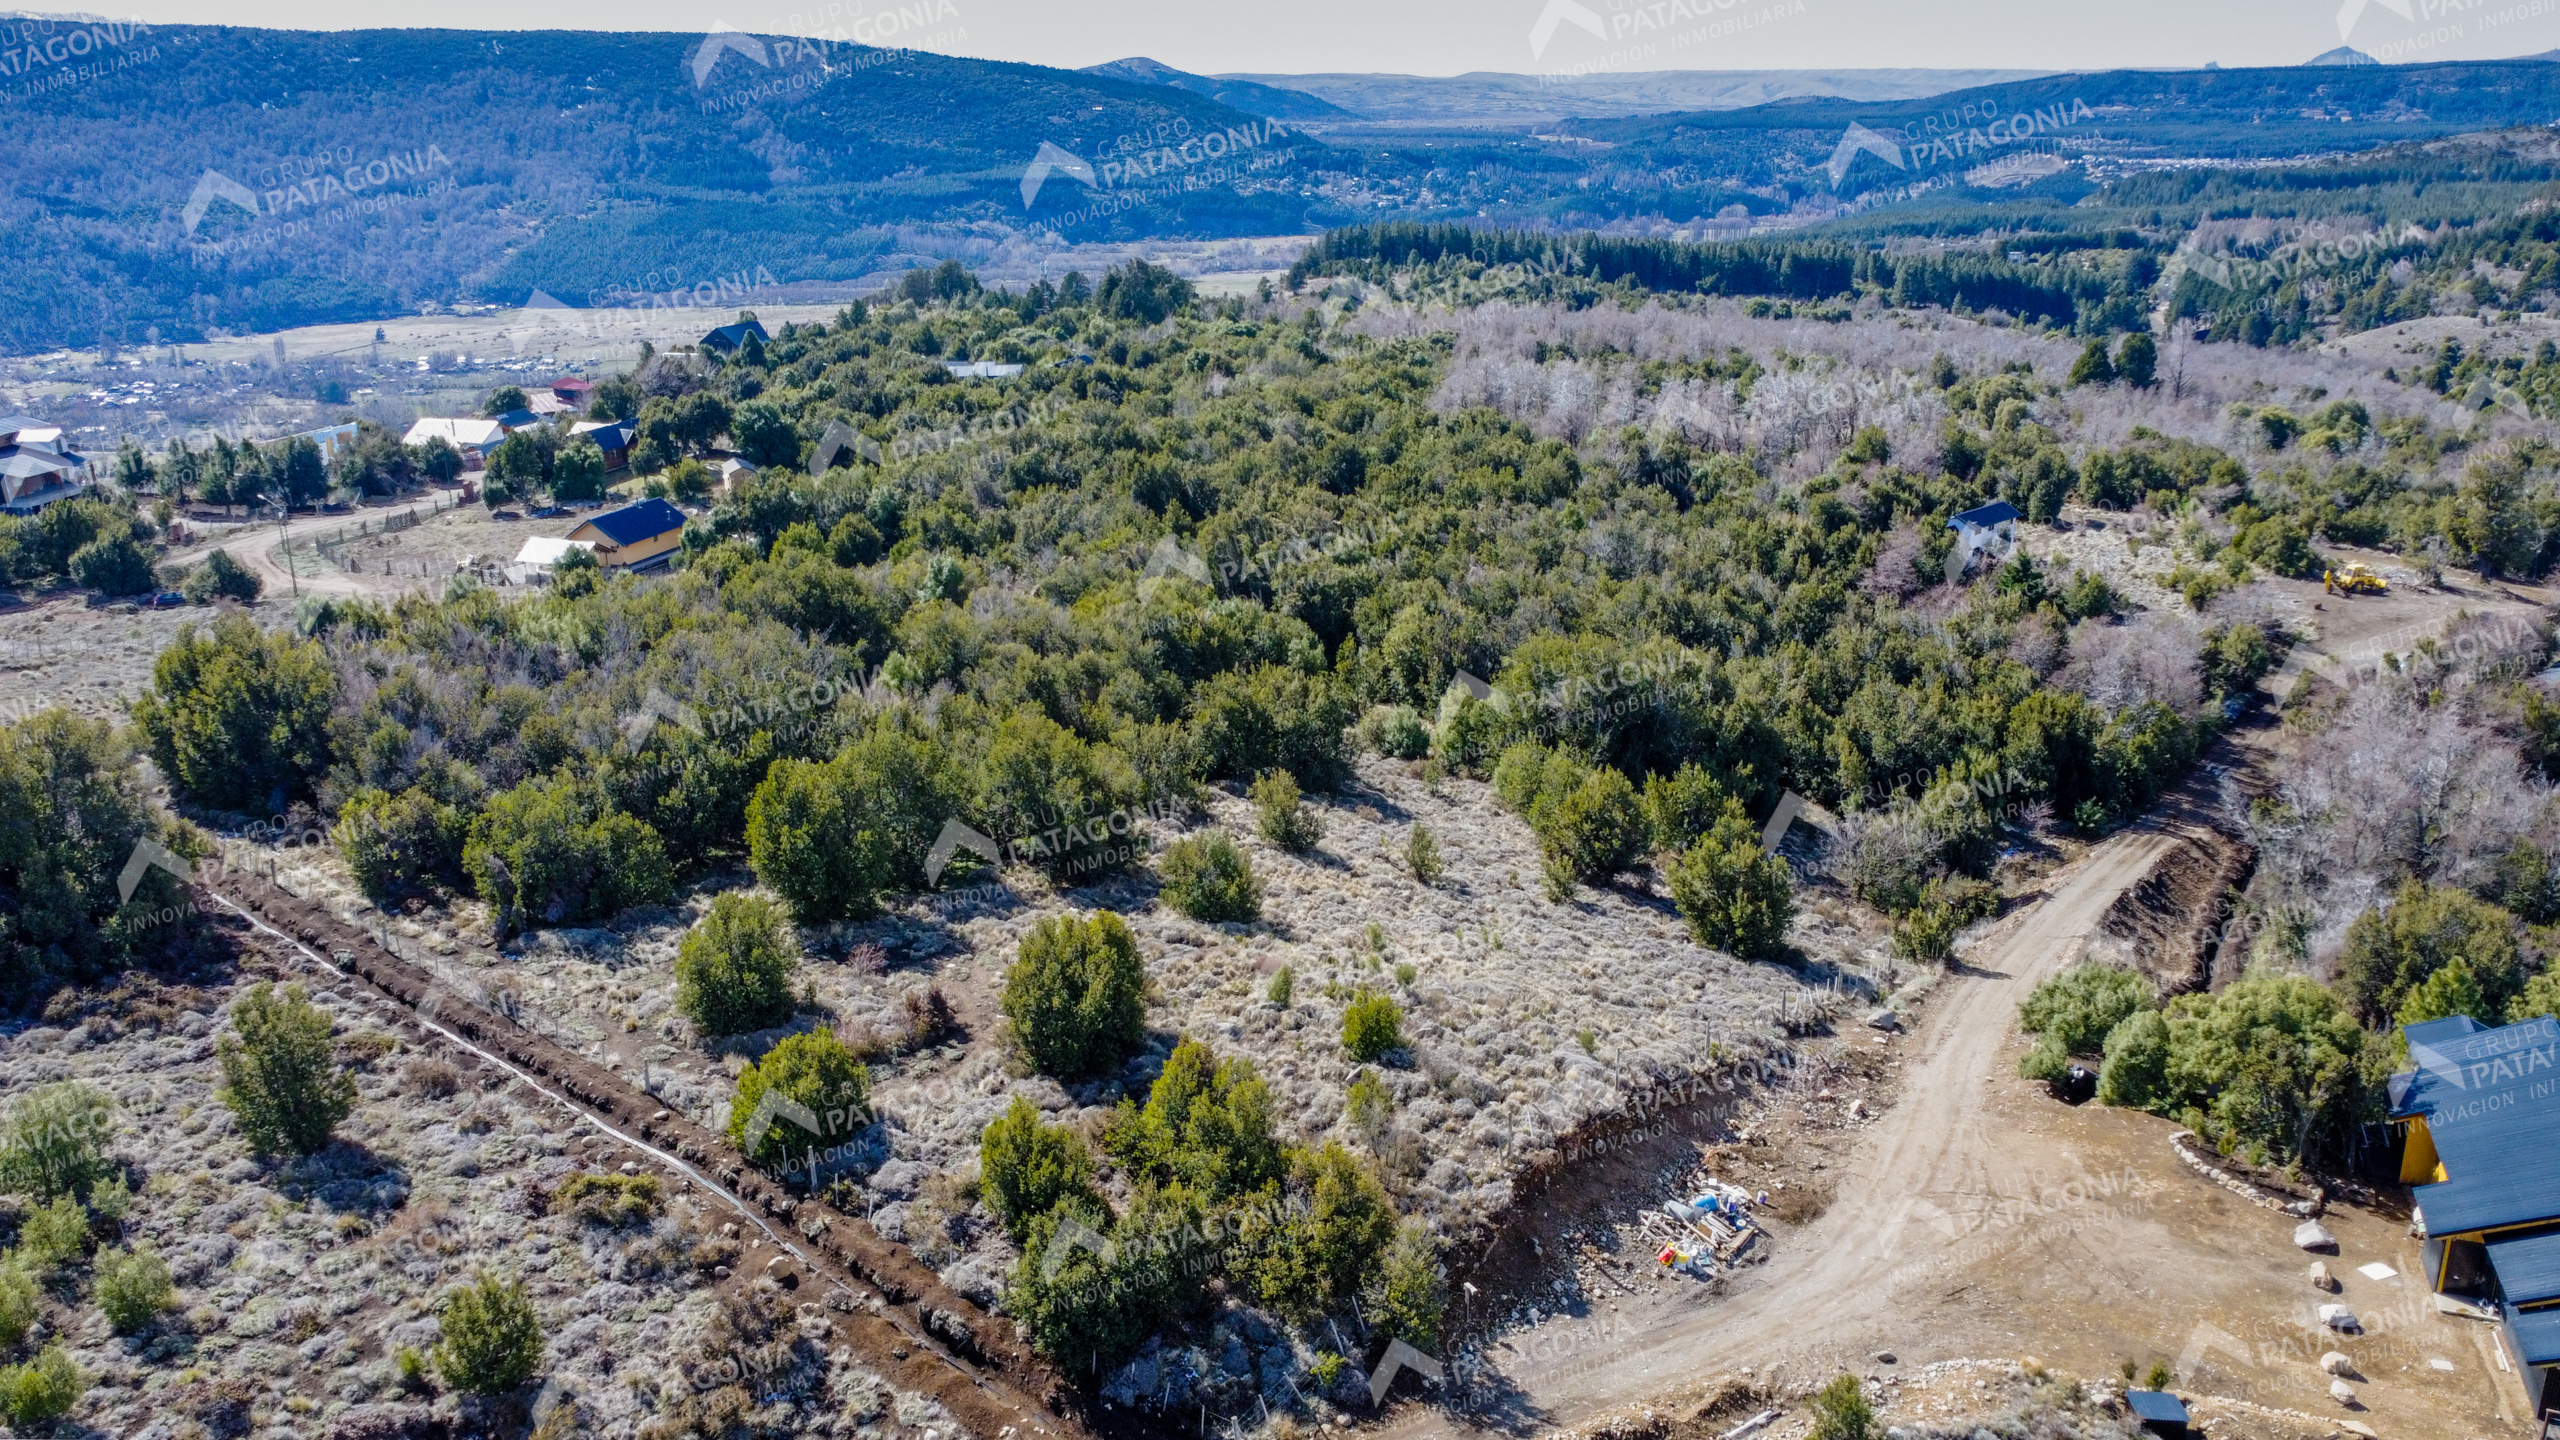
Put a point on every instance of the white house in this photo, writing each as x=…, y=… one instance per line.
x=34, y=470
x=474, y=437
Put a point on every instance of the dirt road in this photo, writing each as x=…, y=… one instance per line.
x=1829, y=1285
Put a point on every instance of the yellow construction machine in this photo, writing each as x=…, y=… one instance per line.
x=2353, y=580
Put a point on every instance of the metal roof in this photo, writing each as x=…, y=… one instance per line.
x=634, y=523
x=2490, y=1099
x=2528, y=1269
x=1987, y=515
x=2157, y=1406
x=2537, y=1335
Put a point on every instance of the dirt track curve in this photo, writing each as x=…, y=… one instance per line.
x=1830, y=1287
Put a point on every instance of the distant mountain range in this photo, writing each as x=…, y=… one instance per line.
x=191, y=177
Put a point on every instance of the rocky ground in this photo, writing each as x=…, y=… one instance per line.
x=300, y=1283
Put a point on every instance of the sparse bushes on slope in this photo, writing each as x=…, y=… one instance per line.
x=1207, y=878
x=1027, y=1167
x=133, y=1288
x=733, y=971
x=815, y=1071
x=280, y=1077
x=492, y=1338
x=1734, y=897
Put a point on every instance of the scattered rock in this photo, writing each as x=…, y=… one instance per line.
x=2314, y=1236
x=2358, y=1427
x=2320, y=1277
x=1885, y=1020
x=2342, y=1392
x=2336, y=1363
x=1885, y=1357
x=2341, y=1319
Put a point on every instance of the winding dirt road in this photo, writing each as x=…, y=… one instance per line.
x=1831, y=1287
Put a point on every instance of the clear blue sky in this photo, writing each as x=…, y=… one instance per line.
x=1401, y=36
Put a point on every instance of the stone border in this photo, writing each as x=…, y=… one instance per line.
x=2196, y=1160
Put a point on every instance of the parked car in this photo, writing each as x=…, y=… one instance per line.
x=165, y=600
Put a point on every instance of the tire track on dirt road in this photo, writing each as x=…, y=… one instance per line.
x=1830, y=1288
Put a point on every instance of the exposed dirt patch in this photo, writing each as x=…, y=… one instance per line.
x=2173, y=917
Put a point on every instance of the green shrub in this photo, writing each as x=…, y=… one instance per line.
x=113, y=565
x=830, y=838
x=1395, y=731
x=17, y=1302
x=1048, y=795
x=554, y=852
x=813, y=1069
x=2136, y=1071
x=2078, y=1007
x=239, y=717
x=734, y=970
x=2391, y=951
x=2540, y=996
x=41, y=1390
x=1206, y=1124
x=1422, y=854
x=1088, y=1307
x=2449, y=992
x=2273, y=1062
x=1309, y=1258
x=492, y=1339
x=1734, y=897
x=1372, y=1025
x=1840, y=1409
x=54, y=1236
x=1407, y=1296
x=1027, y=1166
x=221, y=578
x=1680, y=808
x=1207, y=878
x=1076, y=995
x=612, y=1200
x=1273, y=718
x=55, y=1140
x=2047, y=1061
x=1594, y=830
x=400, y=845
x=1283, y=982
x=1368, y=1105
x=279, y=1074
x=1280, y=817
x=133, y=1288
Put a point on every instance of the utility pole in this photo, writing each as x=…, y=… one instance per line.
x=284, y=545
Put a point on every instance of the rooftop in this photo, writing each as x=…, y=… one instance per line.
x=644, y=520
x=2490, y=1107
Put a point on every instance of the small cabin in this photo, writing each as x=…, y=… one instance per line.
x=636, y=537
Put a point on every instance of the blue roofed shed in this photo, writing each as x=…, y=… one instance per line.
x=641, y=534
x=2159, y=1411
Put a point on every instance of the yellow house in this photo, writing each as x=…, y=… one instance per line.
x=635, y=536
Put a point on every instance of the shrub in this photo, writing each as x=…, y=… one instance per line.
x=1422, y=854
x=113, y=565
x=1408, y=1293
x=398, y=845
x=815, y=1070
x=1840, y=1409
x=1734, y=897
x=733, y=971
x=612, y=1200
x=1088, y=1307
x=1027, y=1166
x=221, y=578
x=2274, y=1061
x=43, y=1389
x=54, y=1236
x=1283, y=982
x=2136, y=1071
x=552, y=852
x=1395, y=731
x=1037, y=771
x=2138, y=360
x=2078, y=1007
x=830, y=838
x=239, y=717
x=1076, y=995
x=2540, y=996
x=1207, y=878
x=492, y=1339
x=2092, y=368
x=1273, y=717
x=1308, y=1258
x=1680, y=808
x=1206, y=1124
x=17, y=1303
x=2390, y=952
x=133, y=1288
x=1372, y=1025
x=1594, y=830
x=1280, y=817
x=279, y=1075
x=54, y=1141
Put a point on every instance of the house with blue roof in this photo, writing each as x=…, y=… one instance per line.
x=2481, y=1107
x=638, y=536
